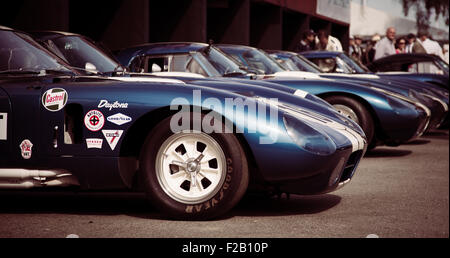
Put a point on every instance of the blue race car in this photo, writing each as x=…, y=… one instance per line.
x=338, y=62
x=189, y=147
x=421, y=67
x=434, y=97
x=385, y=117
x=411, y=63
x=84, y=54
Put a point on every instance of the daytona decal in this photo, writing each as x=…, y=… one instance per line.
x=105, y=104
x=119, y=119
x=112, y=137
x=94, y=143
x=3, y=125
x=25, y=148
x=54, y=99
x=94, y=120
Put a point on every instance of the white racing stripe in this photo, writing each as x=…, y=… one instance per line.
x=301, y=93
x=359, y=140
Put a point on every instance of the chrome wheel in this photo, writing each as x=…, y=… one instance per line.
x=347, y=112
x=190, y=167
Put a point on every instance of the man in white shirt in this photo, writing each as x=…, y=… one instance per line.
x=386, y=46
x=431, y=46
x=445, y=50
x=327, y=42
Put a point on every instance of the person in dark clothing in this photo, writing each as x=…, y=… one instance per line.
x=410, y=39
x=307, y=42
x=355, y=49
x=369, y=53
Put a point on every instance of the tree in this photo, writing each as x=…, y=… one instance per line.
x=424, y=10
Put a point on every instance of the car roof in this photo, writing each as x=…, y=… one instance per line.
x=407, y=57
x=320, y=53
x=234, y=46
x=126, y=55
x=282, y=53
x=49, y=34
x=168, y=47
x=5, y=28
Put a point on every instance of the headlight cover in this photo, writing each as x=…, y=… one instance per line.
x=394, y=100
x=308, y=138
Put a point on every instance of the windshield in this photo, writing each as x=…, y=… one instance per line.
x=19, y=52
x=81, y=53
x=357, y=67
x=259, y=60
x=287, y=64
x=443, y=65
x=305, y=65
x=220, y=61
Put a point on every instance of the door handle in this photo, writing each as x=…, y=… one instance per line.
x=55, y=137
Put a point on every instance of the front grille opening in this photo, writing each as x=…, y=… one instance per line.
x=350, y=166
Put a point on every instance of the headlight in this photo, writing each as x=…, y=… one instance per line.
x=308, y=138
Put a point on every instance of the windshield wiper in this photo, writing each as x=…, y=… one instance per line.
x=117, y=70
x=233, y=73
x=40, y=72
x=19, y=71
x=56, y=71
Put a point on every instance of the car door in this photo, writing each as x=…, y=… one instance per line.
x=5, y=136
x=20, y=133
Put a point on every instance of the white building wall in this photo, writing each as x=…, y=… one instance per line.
x=369, y=17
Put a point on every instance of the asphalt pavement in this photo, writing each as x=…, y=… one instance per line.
x=397, y=192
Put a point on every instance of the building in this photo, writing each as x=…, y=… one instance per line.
x=387, y=13
x=269, y=24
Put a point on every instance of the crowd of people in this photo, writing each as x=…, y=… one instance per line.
x=375, y=48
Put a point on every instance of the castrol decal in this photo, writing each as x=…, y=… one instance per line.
x=54, y=99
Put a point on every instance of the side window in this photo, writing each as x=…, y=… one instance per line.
x=149, y=64
x=426, y=67
x=194, y=67
x=137, y=65
x=328, y=65
x=156, y=64
x=179, y=63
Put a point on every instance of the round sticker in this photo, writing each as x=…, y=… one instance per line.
x=54, y=99
x=94, y=120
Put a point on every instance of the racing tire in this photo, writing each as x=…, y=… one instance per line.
x=356, y=111
x=192, y=175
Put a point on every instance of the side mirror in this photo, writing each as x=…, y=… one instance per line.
x=90, y=67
